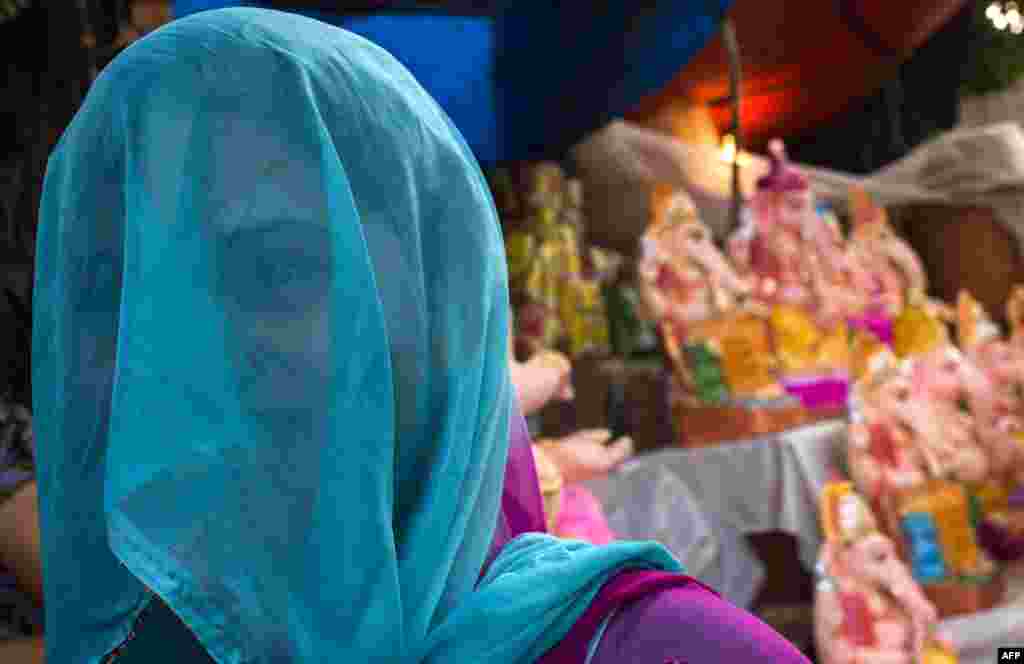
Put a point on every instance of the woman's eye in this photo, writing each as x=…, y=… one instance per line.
x=278, y=271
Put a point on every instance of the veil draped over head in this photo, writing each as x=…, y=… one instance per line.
x=270, y=364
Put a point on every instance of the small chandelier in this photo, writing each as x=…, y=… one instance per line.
x=1005, y=16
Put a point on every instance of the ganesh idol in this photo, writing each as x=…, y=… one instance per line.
x=972, y=405
x=994, y=396
x=915, y=454
x=886, y=268
x=868, y=607
x=885, y=454
x=1015, y=316
x=774, y=245
x=717, y=341
x=941, y=378
x=792, y=257
x=685, y=278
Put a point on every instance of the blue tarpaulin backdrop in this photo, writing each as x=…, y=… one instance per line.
x=534, y=78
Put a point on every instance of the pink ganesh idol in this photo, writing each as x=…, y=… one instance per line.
x=1015, y=316
x=887, y=268
x=938, y=380
x=693, y=294
x=685, y=279
x=793, y=258
x=913, y=452
x=839, y=280
x=868, y=608
x=884, y=453
x=775, y=247
x=908, y=429
x=993, y=390
x=940, y=376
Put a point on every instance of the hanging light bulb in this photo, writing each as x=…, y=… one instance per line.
x=727, y=151
x=993, y=11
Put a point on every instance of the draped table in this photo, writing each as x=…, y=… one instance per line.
x=762, y=485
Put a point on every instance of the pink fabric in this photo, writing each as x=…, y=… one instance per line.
x=582, y=517
x=820, y=392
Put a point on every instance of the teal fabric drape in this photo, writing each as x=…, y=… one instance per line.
x=270, y=373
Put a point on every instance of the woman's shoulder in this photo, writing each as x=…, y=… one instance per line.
x=691, y=624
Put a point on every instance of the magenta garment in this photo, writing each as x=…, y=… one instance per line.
x=659, y=618
x=522, y=507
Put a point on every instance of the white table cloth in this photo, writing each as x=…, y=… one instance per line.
x=766, y=484
x=649, y=502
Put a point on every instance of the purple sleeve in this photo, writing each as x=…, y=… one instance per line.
x=521, y=502
x=691, y=625
x=522, y=508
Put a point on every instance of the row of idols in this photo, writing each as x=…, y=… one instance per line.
x=932, y=513
x=780, y=313
x=936, y=448
x=557, y=283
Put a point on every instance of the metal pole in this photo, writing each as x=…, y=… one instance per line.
x=732, y=49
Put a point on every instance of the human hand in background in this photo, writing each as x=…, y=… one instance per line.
x=587, y=455
x=560, y=364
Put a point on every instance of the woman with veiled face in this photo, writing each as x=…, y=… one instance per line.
x=274, y=419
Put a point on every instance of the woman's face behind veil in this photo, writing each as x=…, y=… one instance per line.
x=273, y=251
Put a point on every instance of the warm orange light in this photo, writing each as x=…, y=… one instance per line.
x=729, y=154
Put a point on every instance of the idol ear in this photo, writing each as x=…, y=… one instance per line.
x=968, y=318
x=861, y=207
x=828, y=508
x=660, y=203
x=1015, y=310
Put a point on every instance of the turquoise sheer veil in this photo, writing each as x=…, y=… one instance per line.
x=270, y=364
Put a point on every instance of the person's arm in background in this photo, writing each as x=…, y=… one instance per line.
x=19, y=540
x=20, y=554
x=544, y=377
x=582, y=455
